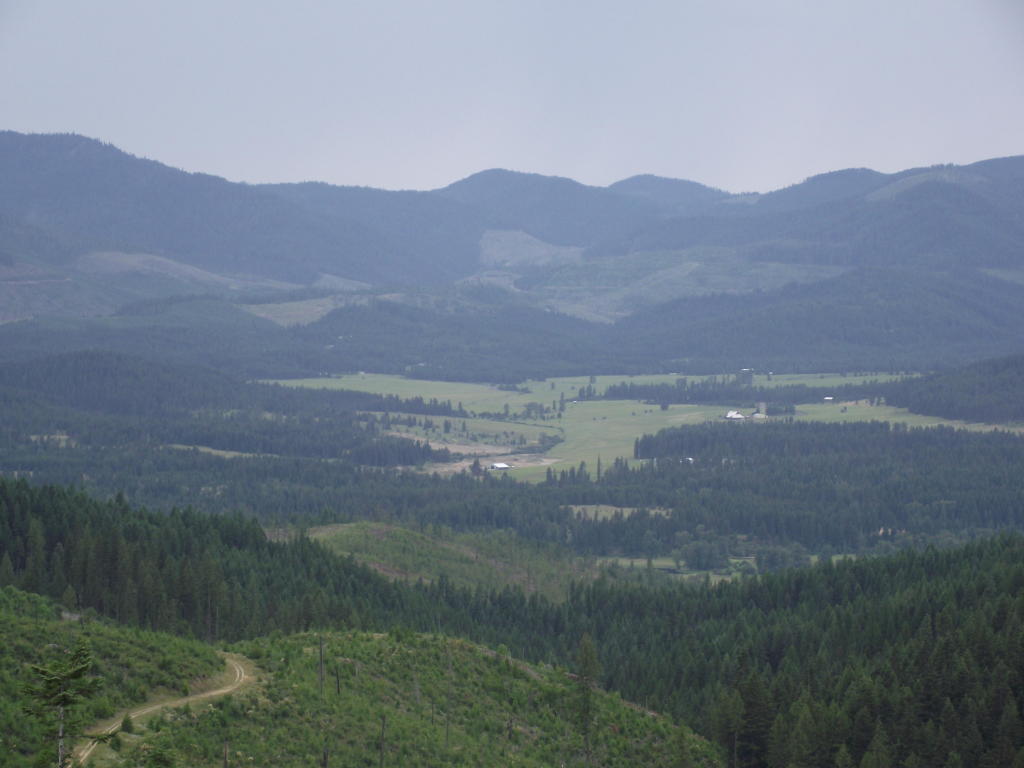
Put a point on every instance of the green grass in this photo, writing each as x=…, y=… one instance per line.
x=485, y=432
x=439, y=702
x=599, y=429
x=606, y=429
x=474, y=397
x=862, y=411
x=667, y=567
x=492, y=560
x=479, y=398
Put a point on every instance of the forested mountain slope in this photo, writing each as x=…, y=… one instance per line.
x=555, y=210
x=674, y=196
x=870, y=318
x=913, y=660
x=906, y=659
x=850, y=269
x=430, y=239
x=97, y=198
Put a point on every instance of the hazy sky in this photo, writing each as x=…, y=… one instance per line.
x=739, y=94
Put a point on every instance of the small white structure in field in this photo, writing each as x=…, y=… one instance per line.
x=500, y=465
x=735, y=416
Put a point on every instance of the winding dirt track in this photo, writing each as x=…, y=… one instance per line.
x=84, y=750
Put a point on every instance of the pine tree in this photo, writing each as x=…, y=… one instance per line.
x=878, y=754
x=843, y=759
x=726, y=722
x=59, y=687
x=6, y=570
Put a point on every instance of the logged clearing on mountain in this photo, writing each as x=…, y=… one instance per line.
x=405, y=699
x=491, y=560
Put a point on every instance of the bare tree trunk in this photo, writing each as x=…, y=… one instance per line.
x=383, y=724
x=60, y=737
x=448, y=704
x=320, y=675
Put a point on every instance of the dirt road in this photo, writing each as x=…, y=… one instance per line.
x=237, y=664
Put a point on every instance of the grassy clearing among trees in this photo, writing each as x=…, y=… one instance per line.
x=491, y=560
x=593, y=429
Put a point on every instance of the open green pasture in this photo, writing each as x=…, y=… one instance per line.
x=864, y=411
x=477, y=398
x=592, y=429
x=473, y=431
x=607, y=429
x=667, y=566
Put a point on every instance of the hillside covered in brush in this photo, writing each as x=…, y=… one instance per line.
x=129, y=665
x=408, y=699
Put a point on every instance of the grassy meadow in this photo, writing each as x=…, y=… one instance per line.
x=677, y=569
x=589, y=429
x=492, y=560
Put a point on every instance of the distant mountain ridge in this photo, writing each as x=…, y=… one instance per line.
x=73, y=195
x=87, y=230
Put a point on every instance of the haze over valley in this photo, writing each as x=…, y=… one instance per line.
x=488, y=384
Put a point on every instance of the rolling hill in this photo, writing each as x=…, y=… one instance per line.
x=852, y=268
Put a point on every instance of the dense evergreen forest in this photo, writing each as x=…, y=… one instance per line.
x=905, y=660
x=857, y=321
x=735, y=390
x=106, y=402
x=989, y=391
x=911, y=660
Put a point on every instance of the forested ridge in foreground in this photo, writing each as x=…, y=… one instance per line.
x=410, y=699
x=131, y=664
x=900, y=660
x=442, y=701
